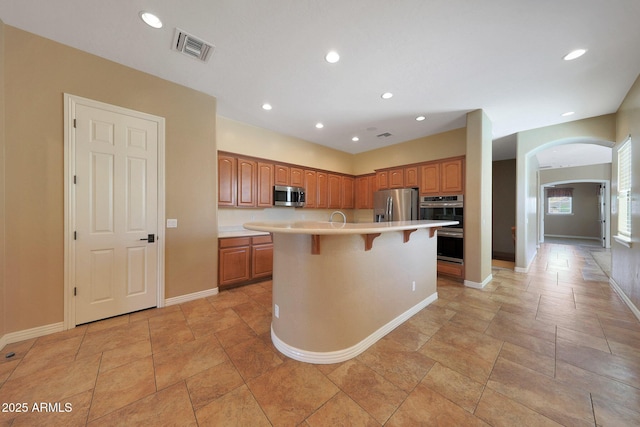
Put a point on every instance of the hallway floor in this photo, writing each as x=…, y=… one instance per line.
x=556, y=346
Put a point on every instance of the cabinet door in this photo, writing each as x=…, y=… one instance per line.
x=334, y=196
x=348, y=192
x=234, y=265
x=396, y=178
x=265, y=185
x=452, y=177
x=247, y=182
x=310, y=188
x=430, y=179
x=227, y=185
x=411, y=176
x=281, y=175
x=323, y=190
x=297, y=177
x=382, y=180
x=362, y=192
x=261, y=261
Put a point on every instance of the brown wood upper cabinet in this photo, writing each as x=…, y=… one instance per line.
x=348, y=193
x=382, y=180
x=265, y=185
x=365, y=187
x=281, y=175
x=334, y=196
x=247, y=182
x=227, y=180
x=442, y=177
x=411, y=176
x=297, y=177
x=310, y=188
x=396, y=178
x=322, y=199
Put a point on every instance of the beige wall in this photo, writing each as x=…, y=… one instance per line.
x=625, y=262
x=242, y=138
x=2, y=188
x=477, y=200
x=584, y=221
x=35, y=84
x=434, y=147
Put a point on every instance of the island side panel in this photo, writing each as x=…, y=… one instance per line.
x=333, y=300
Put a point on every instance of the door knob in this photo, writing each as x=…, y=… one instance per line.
x=150, y=238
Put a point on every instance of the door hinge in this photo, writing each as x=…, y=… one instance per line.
x=74, y=179
x=75, y=235
x=75, y=291
x=74, y=123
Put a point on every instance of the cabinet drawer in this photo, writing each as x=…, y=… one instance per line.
x=233, y=242
x=260, y=240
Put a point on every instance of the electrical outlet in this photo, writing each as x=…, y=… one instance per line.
x=413, y=286
x=276, y=311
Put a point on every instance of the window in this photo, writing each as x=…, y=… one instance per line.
x=624, y=192
x=559, y=201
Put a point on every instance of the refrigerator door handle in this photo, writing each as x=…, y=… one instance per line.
x=390, y=208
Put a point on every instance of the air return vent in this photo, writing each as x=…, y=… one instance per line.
x=384, y=135
x=192, y=46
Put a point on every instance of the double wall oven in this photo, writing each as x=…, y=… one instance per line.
x=450, y=238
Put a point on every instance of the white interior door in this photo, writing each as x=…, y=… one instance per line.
x=115, y=212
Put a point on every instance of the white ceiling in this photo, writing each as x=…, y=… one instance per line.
x=572, y=155
x=441, y=58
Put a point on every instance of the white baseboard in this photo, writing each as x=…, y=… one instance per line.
x=564, y=236
x=27, y=334
x=59, y=327
x=329, y=357
x=190, y=297
x=476, y=285
x=526, y=269
x=625, y=298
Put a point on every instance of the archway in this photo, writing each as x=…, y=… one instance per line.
x=597, y=130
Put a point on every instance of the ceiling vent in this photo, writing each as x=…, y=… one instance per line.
x=192, y=46
x=384, y=135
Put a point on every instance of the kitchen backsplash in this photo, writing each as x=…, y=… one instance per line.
x=234, y=217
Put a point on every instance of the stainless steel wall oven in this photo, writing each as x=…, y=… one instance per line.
x=450, y=238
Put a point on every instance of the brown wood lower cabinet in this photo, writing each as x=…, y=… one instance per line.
x=243, y=260
x=451, y=269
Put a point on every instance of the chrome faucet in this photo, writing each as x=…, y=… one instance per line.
x=344, y=218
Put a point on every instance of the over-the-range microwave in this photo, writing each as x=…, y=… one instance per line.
x=284, y=195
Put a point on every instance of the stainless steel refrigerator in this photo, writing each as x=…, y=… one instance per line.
x=395, y=205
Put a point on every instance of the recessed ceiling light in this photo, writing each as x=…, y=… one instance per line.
x=319, y=125
x=568, y=113
x=151, y=20
x=355, y=139
x=386, y=95
x=420, y=118
x=574, y=54
x=332, y=57
x=266, y=107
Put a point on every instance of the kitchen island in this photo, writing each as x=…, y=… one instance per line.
x=340, y=287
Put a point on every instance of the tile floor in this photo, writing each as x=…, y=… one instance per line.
x=555, y=346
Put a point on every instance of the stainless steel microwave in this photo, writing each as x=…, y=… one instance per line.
x=284, y=195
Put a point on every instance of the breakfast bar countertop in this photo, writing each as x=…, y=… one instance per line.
x=337, y=227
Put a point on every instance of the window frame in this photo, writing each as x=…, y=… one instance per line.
x=623, y=194
x=562, y=193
